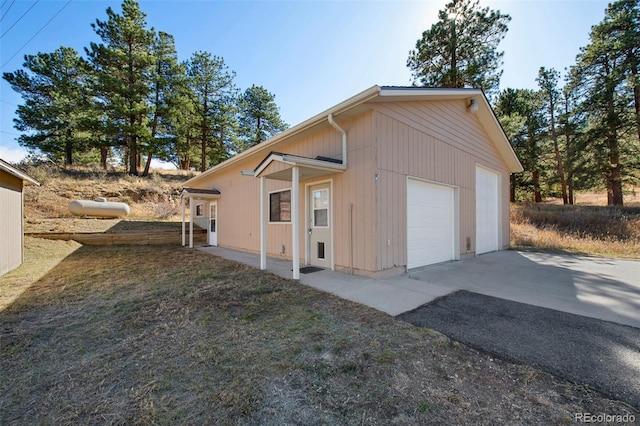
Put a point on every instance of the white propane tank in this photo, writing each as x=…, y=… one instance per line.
x=98, y=208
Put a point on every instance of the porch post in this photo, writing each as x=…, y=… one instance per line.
x=295, y=243
x=190, y=221
x=263, y=223
x=182, y=205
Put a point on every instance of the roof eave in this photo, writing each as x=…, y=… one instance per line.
x=352, y=102
x=17, y=173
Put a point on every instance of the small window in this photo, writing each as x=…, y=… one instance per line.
x=321, y=208
x=280, y=206
x=200, y=210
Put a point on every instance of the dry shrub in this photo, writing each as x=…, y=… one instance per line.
x=591, y=229
x=167, y=210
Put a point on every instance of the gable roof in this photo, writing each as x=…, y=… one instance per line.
x=17, y=173
x=376, y=93
x=196, y=192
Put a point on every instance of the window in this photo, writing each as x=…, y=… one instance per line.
x=280, y=206
x=200, y=210
x=321, y=208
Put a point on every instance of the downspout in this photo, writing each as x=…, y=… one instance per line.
x=344, y=138
x=344, y=163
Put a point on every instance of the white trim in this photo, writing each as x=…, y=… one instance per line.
x=282, y=222
x=17, y=173
x=485, y=115
x=294, y=160
x=190, y=222
x=295, y=223
x=321, y=118
x=211, y=204
x=313, y=216
x=183, y=208
x=307, y=241
x=201, y=214
x=263, y=223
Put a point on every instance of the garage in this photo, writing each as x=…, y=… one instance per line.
x=430, y=223
x=487, y=211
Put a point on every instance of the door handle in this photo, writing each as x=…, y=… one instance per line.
x=310, y=231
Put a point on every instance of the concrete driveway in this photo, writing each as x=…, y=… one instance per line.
x=607, y=289
x=539, y=331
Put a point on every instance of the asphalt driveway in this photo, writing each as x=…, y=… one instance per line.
x=601, y=354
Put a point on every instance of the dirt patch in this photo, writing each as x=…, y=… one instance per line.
x=165, y=335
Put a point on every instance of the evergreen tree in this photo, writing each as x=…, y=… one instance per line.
x=461, y=49
x=259, y=116
x=55, y=103
x=169, y=79
x=622, y=22
x=123, y=64
x=521, y=113
x=601, y=77
x=211, y=85
x=548, y=83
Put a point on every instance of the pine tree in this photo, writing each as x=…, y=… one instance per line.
x=123, y=65
x=211, y=85
x=548, y=83
x=52, y=86
x=259, y=116
x=169, y=79
x=522, y=116
x=461, y=49
x=601, y=77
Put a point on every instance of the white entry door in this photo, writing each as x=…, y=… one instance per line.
x=213, y=223
x=487, y=211
x=319, y=222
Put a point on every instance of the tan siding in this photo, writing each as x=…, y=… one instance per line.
x=10, y=222
x=239, y=207
x=437, y=141
x=275, y=166
x=446, y=121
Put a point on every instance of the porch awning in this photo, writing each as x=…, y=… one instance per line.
x=308, y=167
x=200, y=193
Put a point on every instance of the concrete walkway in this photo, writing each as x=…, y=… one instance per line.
x=607, y=289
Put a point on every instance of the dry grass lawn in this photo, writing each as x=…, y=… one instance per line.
x=590, y=230
x=167, y=335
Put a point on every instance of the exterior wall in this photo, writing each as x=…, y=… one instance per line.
x=437, y=141
x=239, y=203
x=11, y=222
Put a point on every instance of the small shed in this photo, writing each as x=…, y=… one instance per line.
x=391, y=179
x=12, y=183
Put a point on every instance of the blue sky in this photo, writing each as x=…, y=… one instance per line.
x=310, y=54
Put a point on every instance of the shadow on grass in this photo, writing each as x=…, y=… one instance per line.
x=150, y=225
x=158, y=334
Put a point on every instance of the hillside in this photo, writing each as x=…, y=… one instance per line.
x=589, y=227
x=154, y=200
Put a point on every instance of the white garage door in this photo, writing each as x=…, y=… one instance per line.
x=487, y=211
x=430, y=223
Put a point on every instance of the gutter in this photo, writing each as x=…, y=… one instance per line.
x=344, y=138
x=352, y=102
